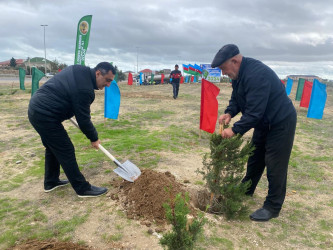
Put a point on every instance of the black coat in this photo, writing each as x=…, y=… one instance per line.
x=69, y=93
x=259, y=95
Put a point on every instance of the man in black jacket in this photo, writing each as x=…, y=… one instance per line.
x=69, y=93
x=175, y=75
x=261, y=98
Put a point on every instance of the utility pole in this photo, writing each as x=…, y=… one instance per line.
x=44, y=25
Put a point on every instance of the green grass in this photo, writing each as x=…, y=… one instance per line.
x=20, y=219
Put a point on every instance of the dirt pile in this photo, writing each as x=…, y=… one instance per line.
x=144, y=198
x=49, y=244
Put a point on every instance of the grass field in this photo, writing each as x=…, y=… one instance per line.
x=155, y=131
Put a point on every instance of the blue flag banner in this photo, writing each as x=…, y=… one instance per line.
x=111, y=101
x=140, y=78
x=186, y=79
x=289, y=85
x=195, y=79
x=317, y=100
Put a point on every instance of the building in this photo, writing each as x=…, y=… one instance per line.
x=19, y=63
x=147, y=72
x=306, y=77
x=38, y=62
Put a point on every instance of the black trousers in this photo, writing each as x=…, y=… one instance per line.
x=59, y=150
x=175, y=86
x=272, y=150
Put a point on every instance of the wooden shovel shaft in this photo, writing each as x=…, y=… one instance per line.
x=99, y=145
x=221, y=128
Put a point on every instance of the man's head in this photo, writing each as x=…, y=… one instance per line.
x=228, y=59
x=105, y=73
x=176, y=67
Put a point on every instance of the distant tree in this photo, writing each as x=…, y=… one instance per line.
x=54, y=65
x=12, y=62
x=62, y=66
x=121, y=75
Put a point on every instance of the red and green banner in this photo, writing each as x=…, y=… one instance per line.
x=82, y=39
x=185, y=68
x=306, y=95
x=191, y=70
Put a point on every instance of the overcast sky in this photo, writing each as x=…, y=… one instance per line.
x=291, y=36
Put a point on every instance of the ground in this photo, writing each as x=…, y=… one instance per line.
x=156, y=132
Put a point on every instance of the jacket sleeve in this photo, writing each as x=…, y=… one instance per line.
x=82, y=113
x=256, y=91
x=233, y=108
x=81, y=101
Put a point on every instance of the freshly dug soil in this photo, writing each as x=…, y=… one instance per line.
x=49, y=244
x=144, y=198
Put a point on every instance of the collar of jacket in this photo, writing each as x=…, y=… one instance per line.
x=93, y=77
x=242, y=67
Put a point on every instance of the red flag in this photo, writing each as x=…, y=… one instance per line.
x=192, y=78
x=130, y=79
x=209, y=106
x=162, y=78
x=182, y=79
x=306, y=95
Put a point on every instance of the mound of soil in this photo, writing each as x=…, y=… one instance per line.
x=144, y=198
x=49, y=244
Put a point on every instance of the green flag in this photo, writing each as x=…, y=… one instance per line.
x=22, y=76
x=36, y=76
x=152, y=79
x=82, y=39
x=299, y=90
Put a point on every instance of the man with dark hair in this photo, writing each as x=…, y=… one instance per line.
x=175, y=75
x=261, y=98
x=69, y=93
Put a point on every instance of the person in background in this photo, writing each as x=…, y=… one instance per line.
x=69, y=93
x=261, y=98
x=175, y=75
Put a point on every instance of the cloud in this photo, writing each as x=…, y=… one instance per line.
x=162, y=33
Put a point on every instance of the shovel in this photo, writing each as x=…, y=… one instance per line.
x=128, y=170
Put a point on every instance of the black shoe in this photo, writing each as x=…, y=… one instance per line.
x=60, y=183
x=93, y=192
x=263, y=214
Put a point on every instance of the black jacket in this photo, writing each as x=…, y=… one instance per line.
x=260, y=95
x=68, y=93
x=175, y=75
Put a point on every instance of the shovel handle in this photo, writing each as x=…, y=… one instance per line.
x=99, y=145
x=221, y=128
x=107, y=153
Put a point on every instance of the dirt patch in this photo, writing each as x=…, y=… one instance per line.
x=144, y=198
x=49, y=244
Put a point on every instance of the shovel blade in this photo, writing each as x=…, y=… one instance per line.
x=123, y=174
x=132, y=168
x=128, y=171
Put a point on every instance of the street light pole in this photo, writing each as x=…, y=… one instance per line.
x=44, y=25
x=137, y=59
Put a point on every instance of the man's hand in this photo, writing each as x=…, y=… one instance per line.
x=95, y=144
x=225, y=119
x=227, y=133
